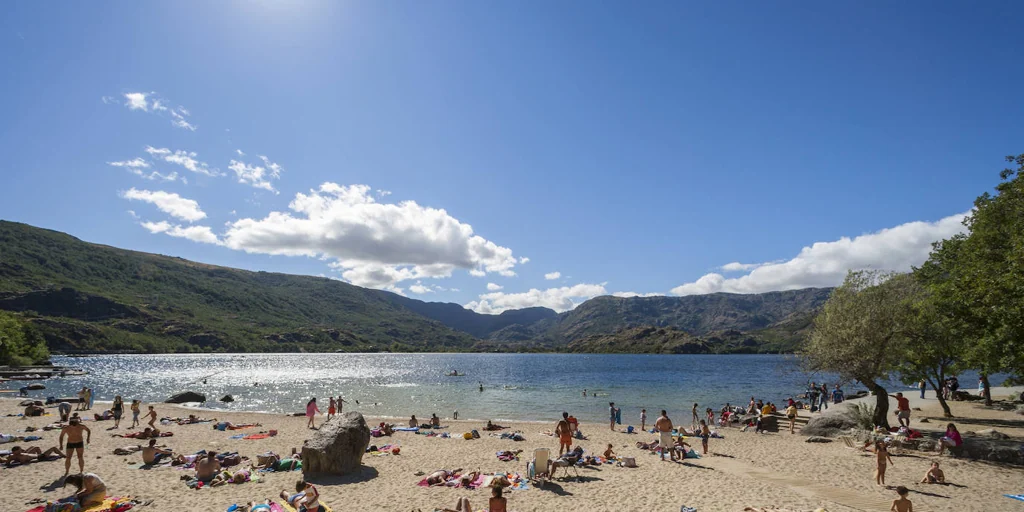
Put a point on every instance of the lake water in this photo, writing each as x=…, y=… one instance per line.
x=515, y=386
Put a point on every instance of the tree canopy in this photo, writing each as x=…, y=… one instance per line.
x=19, y=343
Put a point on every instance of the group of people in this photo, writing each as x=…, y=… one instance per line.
x=334, y=407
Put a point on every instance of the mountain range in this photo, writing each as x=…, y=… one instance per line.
x=85, y=297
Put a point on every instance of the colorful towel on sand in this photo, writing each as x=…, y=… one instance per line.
x=111, y=504
x=257, y=436
x=1018, y=497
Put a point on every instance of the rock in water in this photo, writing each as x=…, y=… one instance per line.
x=338, y=447
x=227, y=398
x=188, y=396
x=35, y=387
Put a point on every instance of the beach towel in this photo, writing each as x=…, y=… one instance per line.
x=1018, y=497
x=288, y=508
x=117, y=504
x=257, y=436
x=407, y=429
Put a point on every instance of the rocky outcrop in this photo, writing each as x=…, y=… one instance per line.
x=338, y=447
x=186, y=397
x=817, y=439
x=227, y=398
x=828, y=425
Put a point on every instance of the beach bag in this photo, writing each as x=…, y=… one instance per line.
x=476, y=435
x=467, y=436
x=629, y=429
x=629, y=462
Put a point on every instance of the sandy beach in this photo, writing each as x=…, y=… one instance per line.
x=743, y=469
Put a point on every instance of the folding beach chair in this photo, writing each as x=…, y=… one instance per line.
x=541, y=463
x=565, y=464
x=848, y=442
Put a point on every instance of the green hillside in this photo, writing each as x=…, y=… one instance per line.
x=88, y=297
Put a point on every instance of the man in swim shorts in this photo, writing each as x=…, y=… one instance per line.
x=665, y=441
x=564, y=433
x=76, y=443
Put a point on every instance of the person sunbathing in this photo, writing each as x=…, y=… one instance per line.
x=184, y=460
x=461, y=506
x=105, y=415
x=148, y=433
x=469, y=478
x=153, y=455
x=274, y=462
x=227, y=425
x=934, y=475
x=293, y=500
x=33, y=454
x=651, y=446
x=681, y=446
x=492, y=426
x=238, y=477
x=441, y=476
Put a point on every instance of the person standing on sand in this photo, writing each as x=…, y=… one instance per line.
x=881, y=456
x=665, y=441
x=135, y=413
x=76, y=443
x=118, y=410
x=611, y=412
x=341, y=405
x=564, y=434
x=643, y=420
x=311, y=412
x=920, y=386
x=791, y=413
x=696, y=418
x=824, y=397
x=331, y=408
x=902, y=409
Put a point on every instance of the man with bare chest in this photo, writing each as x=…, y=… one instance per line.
x=76, y=442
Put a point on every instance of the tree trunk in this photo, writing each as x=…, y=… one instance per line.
x=988, y=389
x=946, y=413
x=881, y=416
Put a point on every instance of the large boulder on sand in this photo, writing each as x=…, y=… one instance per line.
x=828, y=425
x=338, y=447
x=188, y=396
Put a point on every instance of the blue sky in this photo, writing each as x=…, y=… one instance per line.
x=631, y=148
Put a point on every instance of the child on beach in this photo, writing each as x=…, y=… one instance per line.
x=934, y=475
x=643, y=419
x=902, y=504
x=152, y=416
x=696, y=418
x=135, y=413
x=881, y=456
x=331, y=408
x=608, y=453
x=705, y=434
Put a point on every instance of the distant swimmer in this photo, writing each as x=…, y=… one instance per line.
x=584, y=393
x=481, y=387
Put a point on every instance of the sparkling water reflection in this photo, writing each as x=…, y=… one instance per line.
x=516, y=386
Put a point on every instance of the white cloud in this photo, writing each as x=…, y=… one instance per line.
x=108, y=100
x=558, y=299
x=202, y=234
x=551, y=276
x=419, y=289
x=383, y=193
x=185, y=159
x=135, y=163
x=178, y=119
x=635, y=294
x=477, y=273
x=826, y=263
x=169, y=203
x=150, y=102
x=240, y=153
x=256, y=175
x=524, y=260
x=494, y=287
x=739, y=267
x=372, y=244
x=136, y=101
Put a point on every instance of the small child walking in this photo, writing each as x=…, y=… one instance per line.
x=705, y=434
x=135, y=413
x=902, y=504
x=643, y=420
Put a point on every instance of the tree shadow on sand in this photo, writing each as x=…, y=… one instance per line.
x=364, y=474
